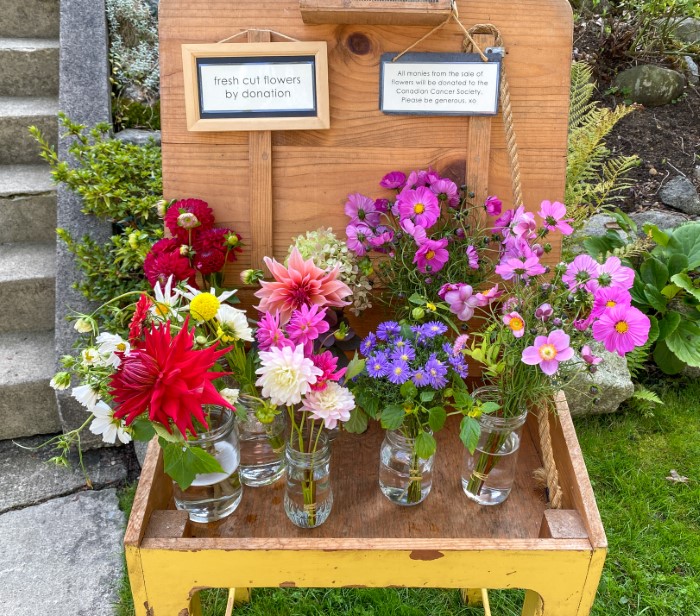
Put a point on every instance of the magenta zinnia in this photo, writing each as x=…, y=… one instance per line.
x=166, y=378
x=622, y=328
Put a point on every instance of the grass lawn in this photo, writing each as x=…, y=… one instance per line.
x=653, y=528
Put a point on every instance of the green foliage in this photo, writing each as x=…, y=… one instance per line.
x=120, y=183
x=183, y=462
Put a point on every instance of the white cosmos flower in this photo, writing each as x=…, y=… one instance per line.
x=332, y=404
x=234, y=324
x=230, y=395
x=286, y=375
x=86, y=395
x=91, y=357
x=166, y=301
x=191, y=292
x=107, y=425
x=108, y=347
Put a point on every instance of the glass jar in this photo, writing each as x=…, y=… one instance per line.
x=262, y=444
x=308, y=497
x=488, y=473
x=404, y=477
x=213, y=496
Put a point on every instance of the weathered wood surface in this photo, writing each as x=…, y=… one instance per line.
x=415, y=12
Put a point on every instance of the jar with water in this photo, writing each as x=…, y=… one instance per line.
x=404, y=477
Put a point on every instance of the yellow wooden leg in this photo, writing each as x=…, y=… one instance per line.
x=471, y=596
x=533, y=604
x=195, y=605
x=236, y=596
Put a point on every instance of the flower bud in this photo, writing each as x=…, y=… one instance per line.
x=251, y=276
x=418, y=313
x=557, y=322
x=83, y=325
x=187, y=220
x=161, y=207
x=60, y=381
x=133, y=240
x=428, y=280
x=201, y=340
x=459, y=232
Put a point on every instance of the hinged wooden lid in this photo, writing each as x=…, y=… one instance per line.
x=390, y=12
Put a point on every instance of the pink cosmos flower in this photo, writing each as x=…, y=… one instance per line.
x=358, y=238
x=462, y=301
x=612, y=274
x=328, y=364
x=420, y=205
x=420, y=178
x=269, y=334
x=361, y=209
x=609, y=297
x=516, y=247
x=415, y=231
x=622, y=328
x=446, y=190
x=381, y=205
x=588, y=357
x=502, y=223
x=473, y=257
x=393, y=179
x=521, y=268
x=306, y=325
x=431, y=254
x=515, y=323
x=488, y=296
x=581, y=272
x=523, y=224
x=544, y=312
x=493, y=206
x=548, y=351
x=384, y=236
x=300, y=284
x=583, y=324
x=553, y=216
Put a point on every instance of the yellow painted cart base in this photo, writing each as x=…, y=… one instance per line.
x=446, y=542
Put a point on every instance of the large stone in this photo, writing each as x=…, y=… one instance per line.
x=29, y=18
x=663, y=219
x=63, y=557
x=680, y=193
x=650, y=85
x=16, y=116
x=692, y=70
x=612, y=385
x=138, y=136
x=28, y=478
x=28, y=67
x=688, y=30
x=27, y=204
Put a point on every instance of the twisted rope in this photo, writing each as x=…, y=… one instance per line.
x=551, y=475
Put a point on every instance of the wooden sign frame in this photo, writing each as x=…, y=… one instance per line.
x=192, y=54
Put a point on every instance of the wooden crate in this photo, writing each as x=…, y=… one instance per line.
x=446, y=542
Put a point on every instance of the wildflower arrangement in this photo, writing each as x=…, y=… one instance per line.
x=425, y=235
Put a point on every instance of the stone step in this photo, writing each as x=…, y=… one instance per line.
x=27, y=287
x=27, y=402
x=16, y=116
x=28, y=67
x=27, y=204
x=29, y=18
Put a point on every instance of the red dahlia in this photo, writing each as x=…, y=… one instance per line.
x=200, y=209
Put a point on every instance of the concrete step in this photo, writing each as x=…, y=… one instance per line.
x=17, y=146
x=27, y=402
x=27, y=287
x=27, y=204
x=29, y=18
x=28, y=67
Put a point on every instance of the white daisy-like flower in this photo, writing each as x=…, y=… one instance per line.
x=233, y=324
x=166, y=301
x=91, y=357
x=108, y=347
x=230, y=395
x=107, y=425
x=86, y=395
x=286, y=375
x=192, y=292
x=332, y=404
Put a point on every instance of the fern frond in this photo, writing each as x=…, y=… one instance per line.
x=582, y=88
x=646, y=395
x=637, y=248
x=637, y=358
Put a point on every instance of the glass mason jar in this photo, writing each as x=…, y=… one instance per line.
x=488, y=473
x=404, y=477
x=262, y=445
x=213, y=496
x=308, y=497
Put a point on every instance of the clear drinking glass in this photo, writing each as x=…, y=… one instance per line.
x=404, y=477
x=213, y=496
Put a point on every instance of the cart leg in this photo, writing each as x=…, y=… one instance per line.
x=236, y=596
x=533, y=604
x=173, y=603
x=471, y=596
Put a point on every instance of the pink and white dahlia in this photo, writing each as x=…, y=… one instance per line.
x=548, y=351
x=332, y=404
x=286, y=375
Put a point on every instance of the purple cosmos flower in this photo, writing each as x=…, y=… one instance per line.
x=473, y=257
x=384, y=236
x=420, y=205
x=493, y=206
x=462, y=301
x=544, y=312
x=588, y=357
x=502, y=223
x=358, y=237
x=581, y=272
x=398, y=372
x=447, y=191
x=516, y=247
x=583, y=324
x=417, y=179
x=378, y=366
x=436, y=371
x=381, y=205
x=393, y=179
x=388, y=330
x=622, y=328
x=434, y=328
x=420, y=377
x=553, y=216
x=605, y=298
x=368, y=344
x=361, y=209
x=522, y=267
x=306, y=325
x=415, y=231
x=431, y=254
x=612, y=274
x=515, y=323
x=548, y=351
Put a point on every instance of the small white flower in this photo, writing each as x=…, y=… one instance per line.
x=86, y=395
x=230, y=395
x=331, y=404
x=60, y=381
x=91, y=357
x=107, y=425
x=108, y=347
x=166, y=301
x=286, y=375
x=234, y=324
x=83, y=326
x=191, y=292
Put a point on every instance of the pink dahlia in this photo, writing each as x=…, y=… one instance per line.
x=269, y=333
x=328, y=364
x=431, y=256
x=306, y=325
x=622, y=328
x=199, y=216
x=548, y=351
x=300, y=284
x=331, y=404
x=168, y=379
x=553, y=216
x=420, y=205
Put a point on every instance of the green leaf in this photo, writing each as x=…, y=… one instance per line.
x=469, y=433
x=684, y=342
x=358, y=421
x=637, y=292
x=676, y=264
x=668, y=324
x=142, y=429
x=666, y=360
x=656, y=300
x=656, y=234
x=684, y=282
x=417, y=298
x=654, y=273
x=355, y=367
x=174, y=437
x=436, y=418
x=687, y=242
x=392, y=416
x=670, y=291
x=368, y=402
x=409, y=390
x=183, y=463
x=428, y=395
x=463, y=399
x=425, y=445
x=601, y=246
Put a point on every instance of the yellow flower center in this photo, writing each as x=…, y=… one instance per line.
x=224, y=336
x=398, y=370
x=430, y=255
x=548, y=352
x=610, y=303
x=121, y=347
x=621, y=327
x=516, y=324
x=204, y=306
x=419, y=208
x=161, y=309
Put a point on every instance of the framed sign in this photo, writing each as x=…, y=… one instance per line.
x=256, y=86
x=457, y=84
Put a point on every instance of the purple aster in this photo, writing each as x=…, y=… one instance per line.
x=420, y=333
x=434, y=328
x=399, y=372
x=447, y=191
x=523, y=268
x=420, y=205
x=473, y=257
x=368, y=344
x=583, y=270
x=393, y=179
x=358, y=238
x=404, y=353
x=436, y=371
x=420, y=377
x=361, y=209
x=377, y=365
x=459, y=365
x=388, y=330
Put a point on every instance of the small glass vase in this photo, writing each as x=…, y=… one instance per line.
x=308, y=497
x=488, y=473
x=213, y=496
x=404, y=477
x=262, y=445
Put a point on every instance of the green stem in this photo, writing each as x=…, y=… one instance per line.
x=486, y=462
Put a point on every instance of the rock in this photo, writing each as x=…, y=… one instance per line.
x=140, y=448
x=688, y=31
x=27, y=478
x=696, y=173
x=691, y=372
x=612, y=380
x=599, y=224
x=680, y=194
x=62, y=557
x=692, y=71
x=663, y=219
x=138, y=136
x=650, y=85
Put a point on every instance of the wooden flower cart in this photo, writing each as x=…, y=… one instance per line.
x=270, y=185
